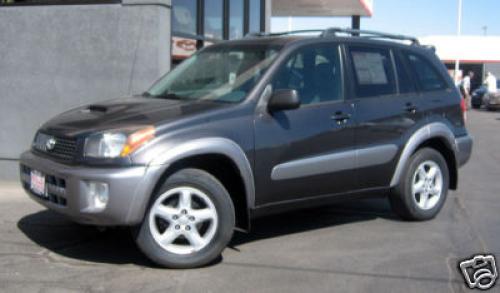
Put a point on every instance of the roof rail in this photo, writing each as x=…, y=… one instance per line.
x=332, y=32
x=263, y=34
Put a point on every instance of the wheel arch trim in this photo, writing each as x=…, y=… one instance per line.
x=211, y=145
x=429, y=131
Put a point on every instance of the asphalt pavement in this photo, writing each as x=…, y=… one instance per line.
x=358, y=246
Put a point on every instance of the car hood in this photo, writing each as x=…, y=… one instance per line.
x=125, y=113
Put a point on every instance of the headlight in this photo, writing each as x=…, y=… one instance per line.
x=115, y=144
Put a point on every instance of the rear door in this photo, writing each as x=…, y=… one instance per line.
x=437, y=97
x=305, y=152
x=387, y=108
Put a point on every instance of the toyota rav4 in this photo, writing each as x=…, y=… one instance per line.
x=256, y=126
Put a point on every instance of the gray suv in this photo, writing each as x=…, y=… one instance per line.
x=251, y=127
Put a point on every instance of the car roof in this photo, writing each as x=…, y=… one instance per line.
x=286, y=40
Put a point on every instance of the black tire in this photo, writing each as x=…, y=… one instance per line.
x=401, y=197
x=220, y=198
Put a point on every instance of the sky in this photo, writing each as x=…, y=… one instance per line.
x=412, y=17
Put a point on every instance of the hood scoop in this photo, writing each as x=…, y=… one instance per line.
x=95, y=108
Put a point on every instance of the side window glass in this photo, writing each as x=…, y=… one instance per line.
x=314, y=72
x=404, y=80
x=373, y=71
x=428, y=77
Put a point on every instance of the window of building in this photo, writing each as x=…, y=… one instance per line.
x=428, y=77
x=236, y=11
x=213, y=19
x=254, y=16
x=314, y=72
x=373, y=71
x=184, y=14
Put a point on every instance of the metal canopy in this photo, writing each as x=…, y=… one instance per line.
x=322, y=7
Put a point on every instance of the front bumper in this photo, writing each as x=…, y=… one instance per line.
x=464, y=149
x=68, y=194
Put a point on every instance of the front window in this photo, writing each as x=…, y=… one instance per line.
x=220, y=73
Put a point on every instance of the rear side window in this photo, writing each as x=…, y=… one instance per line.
x=427, y=75
x=373, y=71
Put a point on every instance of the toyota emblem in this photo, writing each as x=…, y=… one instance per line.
x=50, y=144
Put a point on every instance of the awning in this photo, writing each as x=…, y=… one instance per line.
x=467, y=49
x=322, y=7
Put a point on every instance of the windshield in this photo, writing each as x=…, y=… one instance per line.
x=222, y=73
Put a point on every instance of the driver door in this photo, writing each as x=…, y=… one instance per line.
x=308, y=151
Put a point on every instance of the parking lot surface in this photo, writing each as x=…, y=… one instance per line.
x=357, y=246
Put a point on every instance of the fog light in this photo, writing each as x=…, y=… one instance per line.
x=98, y=194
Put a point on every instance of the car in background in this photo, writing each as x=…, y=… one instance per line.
x=480, y=98
x=492, y=101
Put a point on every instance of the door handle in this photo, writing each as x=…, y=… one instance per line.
x=410, y=108
x=341, y=117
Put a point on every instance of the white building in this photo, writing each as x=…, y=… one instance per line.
x=479, y=54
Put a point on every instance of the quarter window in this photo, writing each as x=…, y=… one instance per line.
x=404, y=80
x=428, y=77
x=315, y=73
x=373, y=71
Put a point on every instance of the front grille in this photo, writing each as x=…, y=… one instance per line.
x=55, y=187
x=62, y=147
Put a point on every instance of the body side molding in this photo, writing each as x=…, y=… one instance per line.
x=334, y=162
x=432, y=130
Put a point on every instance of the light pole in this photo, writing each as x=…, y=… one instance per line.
x=485, y=30
x=459, y=32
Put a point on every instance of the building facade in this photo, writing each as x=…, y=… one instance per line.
x=59, y=54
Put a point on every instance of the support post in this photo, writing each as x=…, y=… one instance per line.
x=356, y=22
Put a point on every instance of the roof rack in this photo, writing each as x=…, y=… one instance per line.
x=334, y=31
x=263, y=34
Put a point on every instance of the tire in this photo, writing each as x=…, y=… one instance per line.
x=170, y=232
x=405, y=199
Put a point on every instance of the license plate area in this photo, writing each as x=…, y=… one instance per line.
x=37, y=183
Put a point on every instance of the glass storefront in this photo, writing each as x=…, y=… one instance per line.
x=198, y=23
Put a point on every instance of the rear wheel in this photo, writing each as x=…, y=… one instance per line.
x=423, y=188
x=189, y=222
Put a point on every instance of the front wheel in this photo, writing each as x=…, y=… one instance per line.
x=189, y=222
x=423, y=188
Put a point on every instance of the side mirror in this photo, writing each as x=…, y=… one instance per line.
x=283, y=100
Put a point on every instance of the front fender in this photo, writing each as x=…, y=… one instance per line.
x=211, y=145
